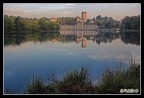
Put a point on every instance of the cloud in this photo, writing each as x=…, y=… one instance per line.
x=100, y=57
x=123, y=57
x=72, y=53
x=114, y=10
x=70, y=4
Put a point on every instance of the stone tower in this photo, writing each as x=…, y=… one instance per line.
x=84, y=16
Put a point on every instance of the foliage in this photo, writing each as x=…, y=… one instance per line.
x=78, y=82
x=113, y=81
x=66, y=20
x=107, y=22
x=132, y=22
x=72, y=83
x=37, y=86
x=20, y=23
x=31, y=24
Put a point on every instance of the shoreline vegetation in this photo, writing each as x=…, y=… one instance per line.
x=44, y=23
x=79, y=82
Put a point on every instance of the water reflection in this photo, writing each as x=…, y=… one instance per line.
x=130, y=38
x=53, y=55
x=77, y=36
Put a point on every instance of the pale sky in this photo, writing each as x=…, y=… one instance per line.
x=38, y=10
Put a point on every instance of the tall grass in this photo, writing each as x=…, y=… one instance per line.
x=113, y=81
x=37, y=86
x=74, y=82
x=78, y=82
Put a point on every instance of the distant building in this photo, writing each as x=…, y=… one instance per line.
x=83, y=19
x=78, y=33
x=53, y=19
x=84, y=16
x=81, y=24
x=78, y=19
x=92, y=21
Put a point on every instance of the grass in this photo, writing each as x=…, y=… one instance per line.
x=113, y=81
x=78, y=82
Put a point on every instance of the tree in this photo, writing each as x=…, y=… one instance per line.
x=132, y=22
x=98, y=17
x=106, y=22
x=18, y=23
x=6, y=23
x=43, y=24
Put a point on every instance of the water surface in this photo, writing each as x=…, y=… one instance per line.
x=29, y=55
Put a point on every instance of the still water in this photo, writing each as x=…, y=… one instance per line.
x=43, y=54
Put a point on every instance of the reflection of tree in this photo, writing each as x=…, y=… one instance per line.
x=106, y=37
x=48, y=36
x=19, y=37
x=14, y=38
x=68, y=38
x=130, y=37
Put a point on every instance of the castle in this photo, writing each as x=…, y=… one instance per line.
x=80, y=24
x=83, y=19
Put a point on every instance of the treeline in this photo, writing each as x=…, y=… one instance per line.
x=20, y=23
x=127, y=22
x=66, y=20
x=106, y=22
x=132, y=22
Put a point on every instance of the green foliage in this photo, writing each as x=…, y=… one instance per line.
x=37, y=86
x=113, y=81
x=31, y=24
x=20, y=23
x=74, y=82
x=9, y=23
x=107, y=22
x=78, y=82
x=132, y=22
x=66, y=20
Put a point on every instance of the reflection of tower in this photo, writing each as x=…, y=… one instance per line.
x=84, y=42
x=84, y=16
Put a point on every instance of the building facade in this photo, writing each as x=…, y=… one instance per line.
x=53, y=19
x=83, y=18
x=78, y=32
x=79, y=26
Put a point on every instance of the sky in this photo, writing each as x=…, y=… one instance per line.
x=38, y=10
